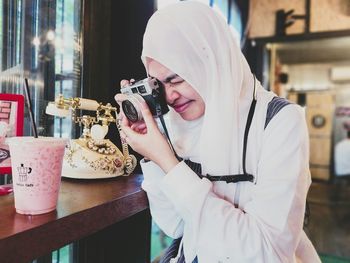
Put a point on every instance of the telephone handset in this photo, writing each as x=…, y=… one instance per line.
x=92, y=156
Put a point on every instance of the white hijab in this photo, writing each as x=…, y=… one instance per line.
x=194, y=42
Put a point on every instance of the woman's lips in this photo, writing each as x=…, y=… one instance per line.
x=179, y=108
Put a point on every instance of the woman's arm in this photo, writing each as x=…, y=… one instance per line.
x=162, y=209
x=145, y=138
x=269, y=226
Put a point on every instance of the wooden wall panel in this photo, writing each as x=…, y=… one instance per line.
x=320, y=103
x=320, y=173
x=325, y=112
x=326, y=15
x=262, y=16
x=329, y=15
x=320, y=151
x=319, y=99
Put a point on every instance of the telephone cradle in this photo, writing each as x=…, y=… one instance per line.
x=92, y=156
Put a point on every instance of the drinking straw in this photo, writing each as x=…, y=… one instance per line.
x=29, y=105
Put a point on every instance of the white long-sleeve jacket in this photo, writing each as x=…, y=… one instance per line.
x=242, y=222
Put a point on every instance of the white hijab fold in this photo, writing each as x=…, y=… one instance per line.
x=193, y=41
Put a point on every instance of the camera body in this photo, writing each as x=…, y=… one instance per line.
x=149, y=90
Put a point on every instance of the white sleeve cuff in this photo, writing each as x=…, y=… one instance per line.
x=152, y=173
x=181, y=185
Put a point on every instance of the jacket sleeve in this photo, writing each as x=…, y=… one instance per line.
x=162, y=209
x=269, y=226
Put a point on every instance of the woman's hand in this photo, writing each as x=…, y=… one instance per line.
x=152, y=144
x=145, y=137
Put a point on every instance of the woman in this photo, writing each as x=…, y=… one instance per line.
x=210, y=88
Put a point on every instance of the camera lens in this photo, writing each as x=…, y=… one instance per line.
x=130, y=110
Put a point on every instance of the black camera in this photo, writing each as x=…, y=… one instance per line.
x=149, y=90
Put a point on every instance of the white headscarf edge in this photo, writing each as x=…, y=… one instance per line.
x=193, y=41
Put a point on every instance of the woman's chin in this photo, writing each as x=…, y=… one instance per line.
x=190, y=115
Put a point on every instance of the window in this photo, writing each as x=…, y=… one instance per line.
x=162, y=3
x=40, y=40
x=230, y=11
x=235, y=20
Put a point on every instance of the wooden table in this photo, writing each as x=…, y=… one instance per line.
x=109, y=218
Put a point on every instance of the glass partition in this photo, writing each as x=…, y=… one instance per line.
x=41, y=41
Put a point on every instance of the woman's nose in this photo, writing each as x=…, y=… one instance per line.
x=171, y=94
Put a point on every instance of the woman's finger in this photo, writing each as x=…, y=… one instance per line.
x=147, y=115
x=123, y=120
x=119, y=98
x=138, y=125
x=129, y=133
x=124, y=82
x=143, y=131
x=121, y=115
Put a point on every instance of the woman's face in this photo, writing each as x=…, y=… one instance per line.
x=180, y=95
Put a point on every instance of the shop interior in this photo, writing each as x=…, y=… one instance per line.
x=299, y=49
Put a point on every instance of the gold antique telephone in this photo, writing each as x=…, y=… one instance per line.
x=92, y=156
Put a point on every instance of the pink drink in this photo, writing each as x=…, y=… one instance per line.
x=36, y=173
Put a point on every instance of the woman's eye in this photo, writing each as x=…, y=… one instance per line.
x=176, y=81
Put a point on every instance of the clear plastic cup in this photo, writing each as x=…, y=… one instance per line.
x=36, y=173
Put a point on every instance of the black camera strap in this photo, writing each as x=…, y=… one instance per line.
x=274, y=106
x=167, y=135
x=161, y=118
x=235, y=178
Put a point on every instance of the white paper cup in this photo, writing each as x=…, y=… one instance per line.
x=36, y=172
